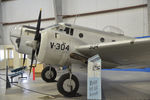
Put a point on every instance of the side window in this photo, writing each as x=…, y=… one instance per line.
x=69, y=30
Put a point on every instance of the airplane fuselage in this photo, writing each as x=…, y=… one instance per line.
x=59, y=42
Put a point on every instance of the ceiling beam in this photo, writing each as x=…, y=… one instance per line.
x=6, y=0
x=80, y=15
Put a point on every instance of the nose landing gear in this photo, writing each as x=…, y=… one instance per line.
x=49, y=74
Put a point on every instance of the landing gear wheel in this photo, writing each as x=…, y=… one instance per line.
x=49, y=75
x=66, y=87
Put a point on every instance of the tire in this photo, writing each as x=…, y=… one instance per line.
x=45, y=74
x=61, y=82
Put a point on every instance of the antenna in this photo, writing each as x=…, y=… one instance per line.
x=75, y=18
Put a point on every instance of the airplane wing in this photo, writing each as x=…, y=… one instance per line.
x=127, y=52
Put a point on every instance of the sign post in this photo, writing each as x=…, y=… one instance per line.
x=94, y=78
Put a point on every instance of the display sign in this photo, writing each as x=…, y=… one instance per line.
x=94, y=78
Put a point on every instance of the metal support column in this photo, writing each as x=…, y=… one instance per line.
x=1, y=26
x=58, y=10
x=148, y=9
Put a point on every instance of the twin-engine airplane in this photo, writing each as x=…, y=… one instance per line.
x=60, y=44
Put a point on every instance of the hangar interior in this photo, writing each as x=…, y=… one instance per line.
x=127, y=17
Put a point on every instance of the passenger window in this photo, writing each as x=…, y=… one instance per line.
x=81, y=35
x=113, y=40
x=102, y=39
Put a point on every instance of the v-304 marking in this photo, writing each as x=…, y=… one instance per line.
x=59, y=46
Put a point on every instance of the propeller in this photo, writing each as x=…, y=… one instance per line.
x=36, y=41
x=24, y=59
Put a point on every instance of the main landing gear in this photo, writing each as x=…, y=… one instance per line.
x=68, y=84
x=49, y=74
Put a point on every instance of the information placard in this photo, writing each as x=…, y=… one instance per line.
x=94, y=78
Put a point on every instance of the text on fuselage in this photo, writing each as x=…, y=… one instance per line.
x=59, y=46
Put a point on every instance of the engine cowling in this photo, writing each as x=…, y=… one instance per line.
x=19, y=36
x=25, y=37
x=56, y=47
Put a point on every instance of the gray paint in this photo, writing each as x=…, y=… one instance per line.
x=1, y=27
x=148, y=9
x=116, y=85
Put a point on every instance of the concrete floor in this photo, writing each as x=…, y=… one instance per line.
x=116, y=85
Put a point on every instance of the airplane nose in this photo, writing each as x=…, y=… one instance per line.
x=15, y=35
x=16, y=31
x=18, y=42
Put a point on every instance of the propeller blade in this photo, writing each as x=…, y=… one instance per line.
x=36, y=38
x=24, y=59
x=32, y=67
x=35, y=63
x=38, y=26
x=32, y=59
x=30, y=70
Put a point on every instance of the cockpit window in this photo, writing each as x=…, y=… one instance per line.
x=66, y=30
x=69, y=30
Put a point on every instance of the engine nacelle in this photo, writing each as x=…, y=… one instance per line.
x=19, y=36
x=25, y=37
x=56, y=47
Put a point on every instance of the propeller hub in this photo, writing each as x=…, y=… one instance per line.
x=32, y=44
